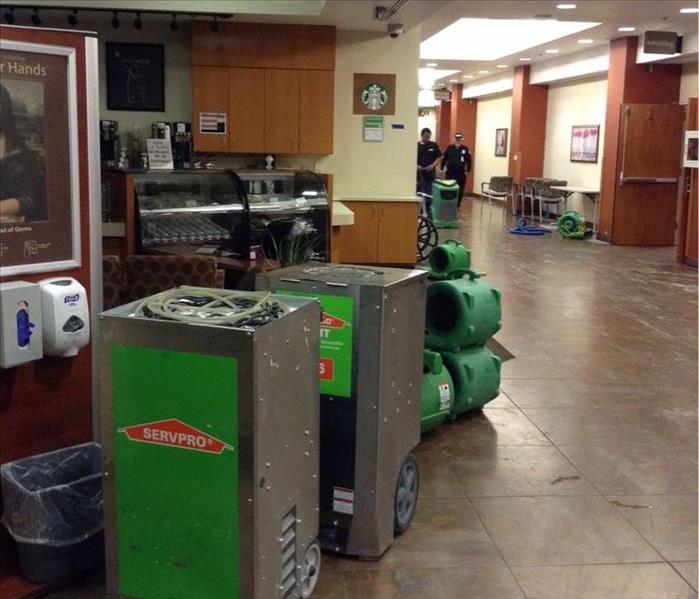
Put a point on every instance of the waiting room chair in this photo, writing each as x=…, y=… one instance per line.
x=545, y=195
x=499, y=189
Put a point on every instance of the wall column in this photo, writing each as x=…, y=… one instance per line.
x=528, y=128
x=463, y=119
x=441, y=136
x=628, y=82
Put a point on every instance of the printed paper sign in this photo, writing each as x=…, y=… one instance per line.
x=373, y=128
x=213, y=122
x=343, y=500
x=444, y=397
x=159, y=153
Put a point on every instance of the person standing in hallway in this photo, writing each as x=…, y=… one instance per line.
x=428, y=155
x=457, y=162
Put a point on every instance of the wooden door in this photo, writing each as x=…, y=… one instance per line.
x=645, y=207
x=316, y=100
x=688, y=237
x=246, y=110
x=358, y=243
x=209, y=95
x=397, y=234
x=281, y=111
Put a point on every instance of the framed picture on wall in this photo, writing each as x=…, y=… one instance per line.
x=501, y=142
x=136, y=77
x=40, y=186
x=691, y=149
x=584, y=143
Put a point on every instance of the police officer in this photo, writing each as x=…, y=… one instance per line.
x=457, y=160
x=428, y=155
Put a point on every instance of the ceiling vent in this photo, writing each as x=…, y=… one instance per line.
x=384, y=13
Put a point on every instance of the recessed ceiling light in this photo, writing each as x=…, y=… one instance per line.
x=551, y=51
x=493, y=39
x=689, y=11
x=468, y=76
x=566, y=6
x=586, y=41
x=484, y=72
x=431, y=64
x=524, y=59
x=453, y=80
x=502, y=66
x=626, y=29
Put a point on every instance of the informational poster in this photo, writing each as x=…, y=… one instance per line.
x=584, y=143
x=135, y=77
x=212, y=122
x=39, y=186
x=373, y=128
x=159, y=154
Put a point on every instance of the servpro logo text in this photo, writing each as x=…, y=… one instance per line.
x=174, y=433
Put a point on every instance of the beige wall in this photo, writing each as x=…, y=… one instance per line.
x=689, y=83
x=574, y=103
x=493, y=113
x=372, y=169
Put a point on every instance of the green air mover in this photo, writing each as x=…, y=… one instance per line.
x=461, y=313
x=476, y=375
x=437, y=392
x=445, y=203
x=571, y=225
x=449, y=260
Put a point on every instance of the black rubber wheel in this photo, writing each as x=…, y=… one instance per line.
x=427, y=238
x=407, y=488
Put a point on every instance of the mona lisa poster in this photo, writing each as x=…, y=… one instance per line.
x=39, y=225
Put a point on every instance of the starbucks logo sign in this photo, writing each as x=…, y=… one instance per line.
x=374, y=96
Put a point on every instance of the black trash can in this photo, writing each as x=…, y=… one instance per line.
x=53, y=510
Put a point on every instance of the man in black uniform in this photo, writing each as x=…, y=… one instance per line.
x=457, y=160
x=428, y=155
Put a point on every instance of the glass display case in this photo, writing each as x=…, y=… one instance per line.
x=198, y=208
x=289, y=215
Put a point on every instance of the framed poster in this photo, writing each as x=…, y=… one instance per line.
x=136, y=77
x=501, y=142
x=584, y=143
x=39, y=182
x=691, y=149
x=374, y=93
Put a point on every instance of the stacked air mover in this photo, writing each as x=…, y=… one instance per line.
x=463, y=312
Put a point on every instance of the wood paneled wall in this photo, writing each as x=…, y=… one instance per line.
x=441, y=135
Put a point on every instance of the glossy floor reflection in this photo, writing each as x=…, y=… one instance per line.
x=580, y=481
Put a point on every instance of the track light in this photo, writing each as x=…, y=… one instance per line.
x=36, y=20
x=10, y=18
x=115, y=20
x=214, y=24
x=73, y=18
x=174, y=25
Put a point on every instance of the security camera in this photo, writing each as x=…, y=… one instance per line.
x=394, y=29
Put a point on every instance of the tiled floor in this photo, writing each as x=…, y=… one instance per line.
x=580, y=481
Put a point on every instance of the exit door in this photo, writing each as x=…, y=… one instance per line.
x=645, y=205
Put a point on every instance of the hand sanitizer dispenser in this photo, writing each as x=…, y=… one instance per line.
x=66, y=316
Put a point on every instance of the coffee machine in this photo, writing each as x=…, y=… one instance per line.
x=182, y=145
x=109, y=143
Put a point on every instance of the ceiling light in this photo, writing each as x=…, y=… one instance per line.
x=524, y=59
x=689, y=11
x=115, y=20
x=566, y=6
x=138, y=22
x=626, y=29
x=431, y=64
x=174, y=25
x=10, y=18
x=468, y=76
x=453, y=80
x=73, y=18
x=36, y=20
x=484, y=72
x=502, y=66
x=551, y=51
x=493, y=39
x=426, y=77
x=586, y=41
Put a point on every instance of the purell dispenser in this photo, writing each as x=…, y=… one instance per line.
x=66, y=316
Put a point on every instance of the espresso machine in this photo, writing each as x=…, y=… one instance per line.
x=182, y=144
x=109, y=143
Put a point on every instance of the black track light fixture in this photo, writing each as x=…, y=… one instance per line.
x=174, y=25
x=214, y=24
x=36, y=20
x=138, y=22
x=10, y=18
x=115, y=20
x=73, y=18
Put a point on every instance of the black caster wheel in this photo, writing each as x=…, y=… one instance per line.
x=407, y=489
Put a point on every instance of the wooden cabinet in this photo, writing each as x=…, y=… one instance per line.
x=282, y=111
x=382, y=233
x=316, y=100
x=246, y=110
x=209, y=94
